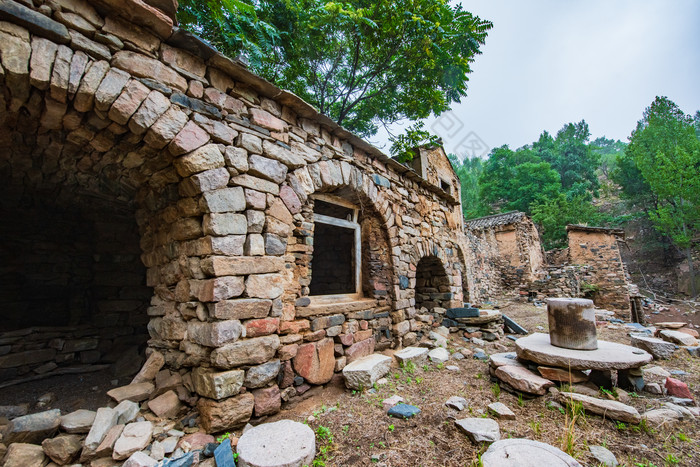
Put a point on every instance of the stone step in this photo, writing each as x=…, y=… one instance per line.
x=335, y=308
x=603, y=407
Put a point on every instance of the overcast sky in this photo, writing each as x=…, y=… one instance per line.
x=550, y=62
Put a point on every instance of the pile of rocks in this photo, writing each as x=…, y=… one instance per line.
x=473, y=322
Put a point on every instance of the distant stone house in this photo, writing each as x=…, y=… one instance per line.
x=508, y=249
x=156, y=193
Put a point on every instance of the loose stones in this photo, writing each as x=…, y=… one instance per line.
x=480, y=429
x=525, y=453
x=364, y=372
x=280, y=444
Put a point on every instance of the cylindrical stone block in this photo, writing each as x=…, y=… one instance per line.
x=572, y=323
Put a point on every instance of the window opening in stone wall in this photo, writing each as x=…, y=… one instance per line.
x=445, y=186
x=336, y=261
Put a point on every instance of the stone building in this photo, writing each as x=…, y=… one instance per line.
x=157, y=194
x=509, y=249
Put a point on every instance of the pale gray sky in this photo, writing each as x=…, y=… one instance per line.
x=550, y=62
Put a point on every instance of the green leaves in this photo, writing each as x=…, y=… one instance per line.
x=363, y=64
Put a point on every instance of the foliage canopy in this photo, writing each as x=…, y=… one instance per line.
x=362, y=63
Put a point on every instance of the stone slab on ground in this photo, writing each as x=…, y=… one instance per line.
x=280, y=444
x=500, y=410
x=457, y=403
x=140, y=459
x=606, y=408
x=364, y=372
x=33, y=428
x=523, y=380
x=480, y=430
x=439, y=355
x=504, y=358
x=79, y=421
x=603, y=456
x=678, y=337
x=417, y=355
x=404, y=411
x=516, y=452
x=659, y=348
x=485, y=316
x=389, y=402
x=609, y=355
x=660, y=417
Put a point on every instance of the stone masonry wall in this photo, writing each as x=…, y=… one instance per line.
x=599, y=249
x=219, y=167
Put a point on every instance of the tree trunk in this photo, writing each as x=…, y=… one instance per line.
x=691, y=271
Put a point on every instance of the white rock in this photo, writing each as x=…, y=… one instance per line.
x=140, y=459
x=678, y=337
x=105, y=419
x=500, y=410
x=657, y=347
x=524, y=380
x=504, y=358
x=480, y=429
x=440, y=341
x=457, y=403
x=364, y=372
x=655, y=374
x=525, y=453
x=417, y=355
x=127, y=411
x=280, y=444
x=135, y=437
x=79, y=421
x=439, y=355
x=603, y=456
x=659, y=417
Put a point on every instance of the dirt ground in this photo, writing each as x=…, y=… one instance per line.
x=353, y=429
x=362, y=434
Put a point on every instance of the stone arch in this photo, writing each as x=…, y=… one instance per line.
x=349, y=184
x=433, y=285
x=109, y=165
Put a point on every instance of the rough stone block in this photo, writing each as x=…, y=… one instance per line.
x=240, y=309
x=204, y=158
x=32, y=428
x=264, y=285
x=363, y=372
x=231, y=413
x=315, y=361
x=214, y=334
x=135, y=437
x=215, y=290
x=155, y=105
x=223, y=200
x=225, y=224
x=105, y=419
x=267, y=401
x=246, y=352
x=146, y=67
x=41, y=63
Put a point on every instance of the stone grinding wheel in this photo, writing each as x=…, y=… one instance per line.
x=572, y=323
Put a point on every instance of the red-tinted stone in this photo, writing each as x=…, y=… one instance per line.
x=360, y=349
x=363, y=335
x=267, y=401
x=690, y=332
x=315, y=361
x=261, y=327
x=294, y=327
x=315, y=336
x=191, y=137
x=287, y=352
x=678, y=388
x=196, y=440
x=267, y=120
x=346, y=339
x=290, y=199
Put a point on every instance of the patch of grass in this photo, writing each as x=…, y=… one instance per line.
x=536, y=427
x=391, y=427
x=495, y=390
x=324, y=438
x=408, y=367
x=672, y=460
x=521, y=402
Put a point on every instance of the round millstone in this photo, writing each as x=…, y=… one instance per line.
x=525, y=453
x=572, y=323
x=609, y=355
x=280, y=444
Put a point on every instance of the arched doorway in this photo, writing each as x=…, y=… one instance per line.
x=432, y=284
